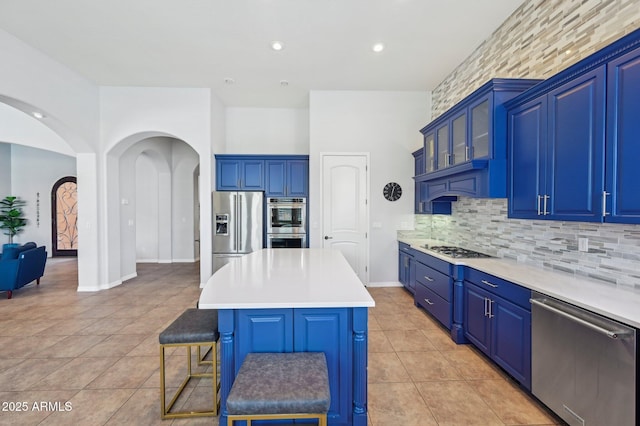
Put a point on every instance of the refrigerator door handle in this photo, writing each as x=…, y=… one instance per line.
x=235, y=233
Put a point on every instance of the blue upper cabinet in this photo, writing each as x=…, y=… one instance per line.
x=287, y=177
x=556, y=146
x=239, y=174
x=465, y=148
x=623, y=139
x=277, y=175
x=573, y=141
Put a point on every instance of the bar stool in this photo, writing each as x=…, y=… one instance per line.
x=280, y=386
x=194, y=327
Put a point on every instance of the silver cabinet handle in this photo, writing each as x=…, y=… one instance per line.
x=486, y=310
x=428, y=301
x=539, y=211
x=604, y=203
x=545, y=212
x=490, y=308
x=489, y=284
x=428, y=278
x=466, y=153
x=613, y=334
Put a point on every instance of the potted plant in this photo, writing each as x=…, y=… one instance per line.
x=11, y=216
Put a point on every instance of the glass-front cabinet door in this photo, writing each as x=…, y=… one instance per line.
x=442, y=143
x=429, y=152
x=479, y=130
x=459, y=140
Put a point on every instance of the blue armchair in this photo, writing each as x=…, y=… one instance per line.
x=21, y=265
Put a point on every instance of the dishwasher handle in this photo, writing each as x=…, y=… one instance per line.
x=612, y=334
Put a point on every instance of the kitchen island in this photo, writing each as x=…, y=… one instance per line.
x=295, y=300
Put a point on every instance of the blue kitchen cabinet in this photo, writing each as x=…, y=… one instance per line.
x=406, y=267
x=287, y=177
x=239, y=174
x=623, y=139
x=329, y=331
x=265, y=330
x=556, y=145
x=424, y=205
x=573, y=140
x=497, y=320
x=465, y=148
x=338, y=332
x=434, y=287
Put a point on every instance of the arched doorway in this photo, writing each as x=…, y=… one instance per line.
x=64, y=212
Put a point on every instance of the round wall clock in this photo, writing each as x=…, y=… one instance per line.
x=392, y=191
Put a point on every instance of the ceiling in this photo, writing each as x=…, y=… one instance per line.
x=200, y=43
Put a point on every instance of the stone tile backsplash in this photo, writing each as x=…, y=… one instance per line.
x=482, y=224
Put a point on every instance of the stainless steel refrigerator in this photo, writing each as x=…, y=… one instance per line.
x=237, y=227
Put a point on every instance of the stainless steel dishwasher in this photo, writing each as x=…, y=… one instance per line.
x=583, y=365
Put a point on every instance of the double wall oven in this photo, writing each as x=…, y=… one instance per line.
x=286, y=222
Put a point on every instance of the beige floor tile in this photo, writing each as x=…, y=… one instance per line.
x=127, y=372
x=66, y=327
x=29, y=372
x=511, y=404
x=373, y=323
x=75, y=374
x=409, y=341
x=72, y=346
x=428, y=366
x=115, y=345
x=397, y=321
x=386, y=367
x=397, y=404
x=441, y=339
x=455, y=403
x=143, y=408
x=378, y=342
x=472, y=365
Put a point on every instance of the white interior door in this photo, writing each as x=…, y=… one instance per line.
x=345, y=211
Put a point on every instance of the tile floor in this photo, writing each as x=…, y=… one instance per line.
x=92, y=358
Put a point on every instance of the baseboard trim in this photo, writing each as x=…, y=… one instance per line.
x=385, y=284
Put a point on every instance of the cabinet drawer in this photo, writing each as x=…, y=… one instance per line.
x=505, y=289
x=436, y=281
x=434, y=304
x=433, y=262
x=405, y=248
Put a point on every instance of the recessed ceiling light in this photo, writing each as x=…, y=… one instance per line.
x=378, y=47
x=38, y=115
x=284, y=83
x=277, y=45
x=229, y=80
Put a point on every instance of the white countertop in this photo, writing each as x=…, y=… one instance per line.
x=286, y=278
x=613, y=302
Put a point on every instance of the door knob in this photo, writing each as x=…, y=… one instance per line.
x=326, y=237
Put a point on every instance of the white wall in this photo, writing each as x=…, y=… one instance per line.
x=387, y=125
x=147, y=209
x=21, y=128
x=267, y=130
x=35, y=171
x=5, y=169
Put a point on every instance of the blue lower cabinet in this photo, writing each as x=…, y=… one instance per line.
x=341, y=333
x=327, y=330
x=499, y=327
x=264, y=330
x=434, y=304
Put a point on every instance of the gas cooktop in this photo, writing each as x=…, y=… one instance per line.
x=457, y=252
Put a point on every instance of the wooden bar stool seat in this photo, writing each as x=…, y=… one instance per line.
x=280, y=386
x=199, y=328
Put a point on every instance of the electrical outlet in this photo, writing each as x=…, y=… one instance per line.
x=583, y=244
